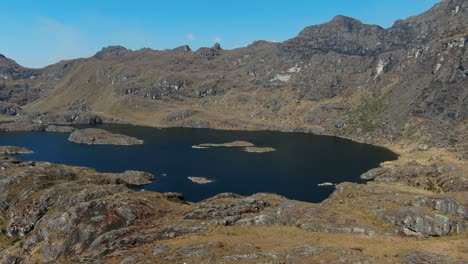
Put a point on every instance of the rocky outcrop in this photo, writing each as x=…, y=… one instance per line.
x=10, y=109
x=181, y=115
x=342, y=35
x=209, y=53
x=135, y=178
x=438, y=177
x=112, y=51
x=13, y=150
x=432, y=225
x=94, y=136
x=23, y=125
x=429, y=258
x=196, y=124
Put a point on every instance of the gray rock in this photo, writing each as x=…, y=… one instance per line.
x=199, y=250
x=181, y=115
x=445, y=204
x=197, y=124
x=173, y=196
x=132, y=258
x=431, y=225
x=372, y=174
x=423, y=147
x=426, y=258
x=160, y=249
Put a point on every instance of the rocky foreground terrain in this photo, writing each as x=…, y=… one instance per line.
x=56, y=213
x=405, y=88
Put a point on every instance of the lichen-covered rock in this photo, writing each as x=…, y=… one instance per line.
x=373, y=173
x=226, y=209
x=427, y=258
x=426, y=224
x=445, y=204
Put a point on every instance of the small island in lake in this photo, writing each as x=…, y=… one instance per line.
x=237, y=143
x=248, y=147
x=94, y=136
x=259, y=149
x=200, y=180
x=13, y=150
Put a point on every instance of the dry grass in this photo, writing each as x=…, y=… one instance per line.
x=282, y=239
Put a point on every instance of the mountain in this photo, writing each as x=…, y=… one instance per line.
x=342, y=77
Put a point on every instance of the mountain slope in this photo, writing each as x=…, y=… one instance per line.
x=342, y=77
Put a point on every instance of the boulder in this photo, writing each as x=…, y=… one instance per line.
x=423, y=147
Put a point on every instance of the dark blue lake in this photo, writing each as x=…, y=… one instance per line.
x=300, y=162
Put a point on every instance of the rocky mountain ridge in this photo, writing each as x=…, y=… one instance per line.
x=342, y=77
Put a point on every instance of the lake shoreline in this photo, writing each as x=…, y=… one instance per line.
x=246, y=146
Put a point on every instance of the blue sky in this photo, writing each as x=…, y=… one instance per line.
x=38, y=33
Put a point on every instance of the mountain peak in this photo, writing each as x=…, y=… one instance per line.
x=342, y=35
x=112, y=51
x=184, y=48
x=4, y=60
x=217, y=46
x=345, y=20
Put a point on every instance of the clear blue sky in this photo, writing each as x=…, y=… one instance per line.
x=38, y=33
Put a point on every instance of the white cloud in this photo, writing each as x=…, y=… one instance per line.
x=217, y=39
x=190, y=36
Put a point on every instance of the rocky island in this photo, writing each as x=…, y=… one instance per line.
x=228, y=144
x=13, y=150
x=403, y=87
x=94, y=136
x=200, y=180
x=247, y=146
x=259, y=149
